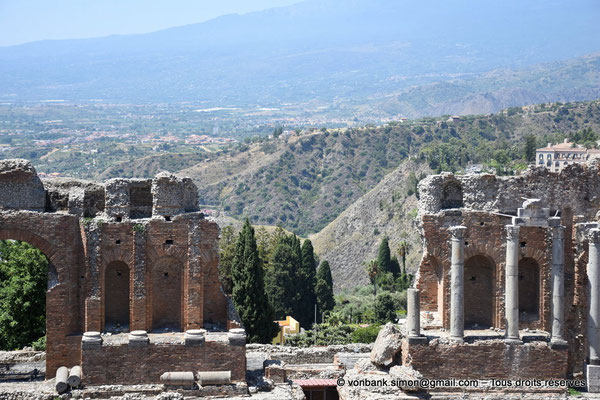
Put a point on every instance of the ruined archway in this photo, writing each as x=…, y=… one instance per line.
x=439, y=274
x=479, y=291
x=529, y=290
x=116, y=297
x=26, y=276
x=167, y=294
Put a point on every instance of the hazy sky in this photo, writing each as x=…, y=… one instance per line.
x=28, y=20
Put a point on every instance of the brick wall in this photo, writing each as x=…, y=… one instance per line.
x=485, y=253
x=125, y=364
x=486, y=360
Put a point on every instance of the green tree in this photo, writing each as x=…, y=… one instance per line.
x=282, y=280
x=384, y=309
x=384, y=261
x=306, y=289
x=530, y=148
x=23, y=284
x=248, y=293
x=277, y=131
x=372, y=269
x=324, y=288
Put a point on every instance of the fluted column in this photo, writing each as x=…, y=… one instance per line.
x=457, y=270
x=593, y=273
x=511, y=287
x=558, y=283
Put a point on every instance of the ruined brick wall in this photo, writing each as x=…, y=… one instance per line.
x=485, y=248
x=576, y=187
x=146, y=364
x=94, y=233
x=486, y=360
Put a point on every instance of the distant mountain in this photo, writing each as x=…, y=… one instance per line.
x=329, y=50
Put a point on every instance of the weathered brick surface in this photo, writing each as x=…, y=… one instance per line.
x=124, y=364
x=486, y=360
x=149, y=232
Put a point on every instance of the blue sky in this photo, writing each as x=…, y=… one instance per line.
x=29, y=20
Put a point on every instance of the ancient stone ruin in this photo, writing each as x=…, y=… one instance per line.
x=131, y=257
x=508, y=285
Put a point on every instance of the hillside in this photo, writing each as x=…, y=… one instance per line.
x=354, y=236
x=304, y=182
x=317, y=50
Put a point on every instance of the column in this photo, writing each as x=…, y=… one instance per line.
x=413, y=317
x=593, y=273
x=511, y=288
x=558, y=283
x=457, y=269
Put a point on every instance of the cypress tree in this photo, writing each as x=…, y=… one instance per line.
x=248, y=293
x=384, y=261
x=306, y=285
x=281, y=283
x=324, y=288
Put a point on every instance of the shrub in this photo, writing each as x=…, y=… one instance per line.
x=365, y=335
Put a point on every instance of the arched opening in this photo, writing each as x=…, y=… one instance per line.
x=26, y=275
x=116, y=297
x=529, y=290
x=166, y=295
x=452, y=196
x=478, y=292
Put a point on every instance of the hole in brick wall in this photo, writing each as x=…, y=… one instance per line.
x=169, y=241
x=119, y=219
x=473, y=278
x=166, y=274
x=118, y=241
x=481, y=223
x=119, y=273
x=466, y=243
x=167, y=218
x=523, y=244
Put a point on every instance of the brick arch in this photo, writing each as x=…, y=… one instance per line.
x=37, y=241
x=173, y=251
x=529, y=252
x=495, y=254
x=480, y=282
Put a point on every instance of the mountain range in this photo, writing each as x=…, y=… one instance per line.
x=388, y=54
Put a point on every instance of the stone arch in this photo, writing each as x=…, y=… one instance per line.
x=167, y=294
x=452, y=195
x=529, y=289
x=116, y=296
x=479, y=285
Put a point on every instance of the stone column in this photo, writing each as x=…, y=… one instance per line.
x=558, y=283
x=593, y=273
x=457, y=269
x=413, y=317
x=511, y=288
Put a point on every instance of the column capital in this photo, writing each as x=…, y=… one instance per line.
x=512, y=232
x=594, y=235
x=457, y=232
x=558, y=232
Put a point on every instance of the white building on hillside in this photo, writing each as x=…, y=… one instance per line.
x=556, y=157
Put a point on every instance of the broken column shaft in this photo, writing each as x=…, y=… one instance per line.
x=457, y=269
x=593, y=272
x=558, y=283
x=511, y=290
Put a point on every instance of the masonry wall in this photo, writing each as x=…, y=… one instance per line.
x=485, y=360
x=125, y=364
x=485, y=244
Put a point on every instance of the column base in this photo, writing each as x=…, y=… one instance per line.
x=457, y=340
x=558, y=344
x=592, y=374
x=417, y=339
x=513, y=341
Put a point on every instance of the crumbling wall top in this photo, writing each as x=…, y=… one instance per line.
x=20, y=186
x=576, y=187
x=172, y=195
